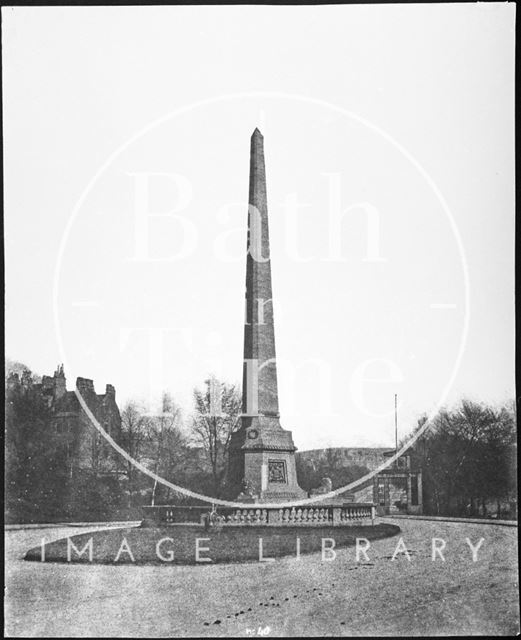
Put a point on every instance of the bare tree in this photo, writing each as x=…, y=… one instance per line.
x=169, y=441
x=216, y=417
x=135, y=433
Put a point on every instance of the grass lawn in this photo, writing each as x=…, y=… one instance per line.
x=179, y=543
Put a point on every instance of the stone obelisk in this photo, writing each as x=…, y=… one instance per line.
x=262, y=453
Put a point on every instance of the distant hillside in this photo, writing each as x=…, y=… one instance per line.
x=368, y=457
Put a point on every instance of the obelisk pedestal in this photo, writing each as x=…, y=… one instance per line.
x=262, y=453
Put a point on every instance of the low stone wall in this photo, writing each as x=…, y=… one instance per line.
x=345, y=514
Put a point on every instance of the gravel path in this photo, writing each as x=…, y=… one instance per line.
x=282, y=598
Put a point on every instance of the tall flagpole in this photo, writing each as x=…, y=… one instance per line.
x=396, y=422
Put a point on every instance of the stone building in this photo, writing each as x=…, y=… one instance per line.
x=397, y=489
x=84, y=446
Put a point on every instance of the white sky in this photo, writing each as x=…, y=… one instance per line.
x=438, y=79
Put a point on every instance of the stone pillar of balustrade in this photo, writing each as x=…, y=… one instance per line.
x=273, y=516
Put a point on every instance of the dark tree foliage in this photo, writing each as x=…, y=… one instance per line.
x=93, y=497
x=35, y=472
x=468, y=457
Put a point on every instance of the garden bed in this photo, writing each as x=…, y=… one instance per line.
x=191, y=544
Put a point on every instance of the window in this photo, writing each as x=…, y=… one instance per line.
x=381, y=492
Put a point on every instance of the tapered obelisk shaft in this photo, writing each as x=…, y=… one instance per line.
x=260, y=371
x=262, y=454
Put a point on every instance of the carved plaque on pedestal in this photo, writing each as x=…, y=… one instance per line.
x=277, y=471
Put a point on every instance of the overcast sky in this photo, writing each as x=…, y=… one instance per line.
x=389, y=153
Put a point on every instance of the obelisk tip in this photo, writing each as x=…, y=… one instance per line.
x=257, y=133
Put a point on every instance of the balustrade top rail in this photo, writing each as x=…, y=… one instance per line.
x=335, y=514
x=259, y=505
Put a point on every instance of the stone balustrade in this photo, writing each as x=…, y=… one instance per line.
x=346, y=514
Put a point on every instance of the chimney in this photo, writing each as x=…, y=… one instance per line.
x=84, y=386
x=110, y=391
x=60, y=387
